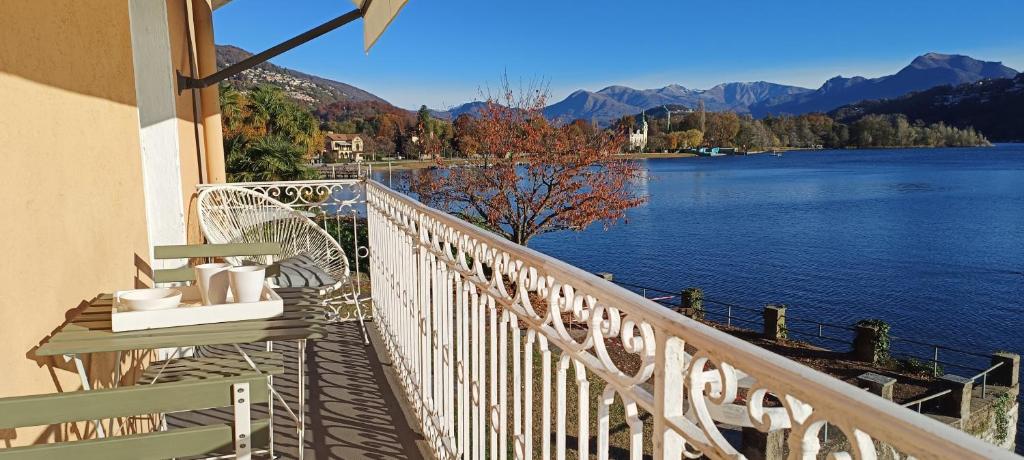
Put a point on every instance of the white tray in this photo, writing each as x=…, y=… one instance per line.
x=192, y=311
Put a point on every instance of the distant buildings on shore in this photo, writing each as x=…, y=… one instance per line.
x=341, y=147
x=638, y=137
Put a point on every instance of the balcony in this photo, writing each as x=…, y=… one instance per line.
x=494, y=350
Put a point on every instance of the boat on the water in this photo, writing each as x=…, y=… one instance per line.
x=709, y=152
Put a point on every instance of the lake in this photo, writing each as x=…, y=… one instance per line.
x=930, y=240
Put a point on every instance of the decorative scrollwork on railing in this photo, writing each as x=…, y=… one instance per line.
x=452, y=301
x=329, y=197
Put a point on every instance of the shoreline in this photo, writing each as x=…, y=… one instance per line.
x=404, y=165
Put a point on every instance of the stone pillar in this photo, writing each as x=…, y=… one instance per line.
x=775, y=322
x=865, y=344
x=958, y=402
x=691, y=300
x=1008, y=374
x=605, y=276
x=877, y=384
x=763, y=446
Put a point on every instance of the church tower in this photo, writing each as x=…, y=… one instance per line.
x=638, y=138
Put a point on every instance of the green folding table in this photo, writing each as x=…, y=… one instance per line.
x=89, y=332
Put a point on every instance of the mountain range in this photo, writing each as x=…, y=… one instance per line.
x=927, y=71
x=765, y=98
x=926, y=89
x=615, y=101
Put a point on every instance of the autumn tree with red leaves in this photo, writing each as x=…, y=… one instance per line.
x=534, y=177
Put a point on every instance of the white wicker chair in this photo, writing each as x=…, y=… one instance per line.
x=230, y=214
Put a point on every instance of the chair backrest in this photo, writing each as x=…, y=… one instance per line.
x=207, y=251
x=36, y=410
x=230, y=214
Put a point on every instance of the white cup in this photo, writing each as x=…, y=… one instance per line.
x=247, y=282
x=212, y=280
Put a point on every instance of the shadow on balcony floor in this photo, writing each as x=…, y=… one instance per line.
x=355, y=408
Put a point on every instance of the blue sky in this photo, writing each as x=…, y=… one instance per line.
x=444, y=52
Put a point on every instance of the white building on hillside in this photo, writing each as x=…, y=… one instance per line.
x=638, y=138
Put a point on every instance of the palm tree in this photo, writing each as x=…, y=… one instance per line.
x=231, y=105
x=269, y=158
x=300, y=126
x=265, y=104
x=267, y=136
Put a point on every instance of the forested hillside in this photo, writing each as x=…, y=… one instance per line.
x=993, y=107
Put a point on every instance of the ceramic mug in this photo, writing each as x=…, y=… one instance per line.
x=247, y=282
x=212, y=280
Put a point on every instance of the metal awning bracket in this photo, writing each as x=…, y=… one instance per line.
x=186, y=82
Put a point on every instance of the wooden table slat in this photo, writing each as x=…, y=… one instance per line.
x=103, y=331
x=113, y=343
x=89, y=331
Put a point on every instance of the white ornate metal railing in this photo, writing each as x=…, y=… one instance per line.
x=492, y=372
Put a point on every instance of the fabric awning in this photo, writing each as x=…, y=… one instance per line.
x=377, y=18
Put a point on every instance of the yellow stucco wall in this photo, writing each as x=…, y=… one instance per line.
x=72, y=215
x=70, y=177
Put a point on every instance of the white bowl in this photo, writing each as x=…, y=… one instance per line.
x=151, y=299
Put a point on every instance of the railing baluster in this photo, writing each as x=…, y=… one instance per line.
x=478, y=377
x=583, y=400
x=449, y=354
x=436, y=337
x=517, y=393
x=545, y=429
x=560, y=405
x=492, y=401
x=425, y=337
x=464, y=386
x=636, y=429
x=528, y=395
x=502, y=401
x=604, y=422
x=668, y=399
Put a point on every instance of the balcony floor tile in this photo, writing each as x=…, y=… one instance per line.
x=356, y=409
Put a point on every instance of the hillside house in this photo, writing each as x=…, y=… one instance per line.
x=342, y=147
